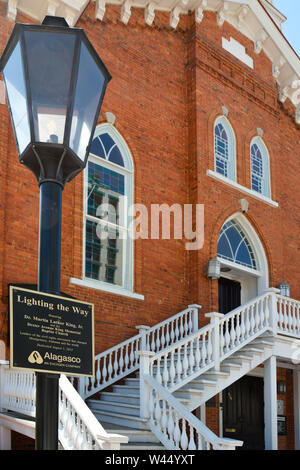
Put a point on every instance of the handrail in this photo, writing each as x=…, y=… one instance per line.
x=182, y=362
x=78, y=427
x=121, y=360
x=176, y=427
x=288, y=316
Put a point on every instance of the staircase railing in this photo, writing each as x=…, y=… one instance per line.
x=288, y=313
x=78, y=427
x=175, y=426
x=182, y=362
x=121, y=360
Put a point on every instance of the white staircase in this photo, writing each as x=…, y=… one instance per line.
x=176, y=373
x=145, y=389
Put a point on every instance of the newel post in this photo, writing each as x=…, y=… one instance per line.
x=273, y=309
x=195, y=308
x=145, y=357
x=215, y=319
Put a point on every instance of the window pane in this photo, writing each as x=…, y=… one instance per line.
x=107, y=142
x=97, y=149
x=50, y=63
x=234, y=246
x=104, y=253
x=115, y=156
x=87, y=95
x=15, y=84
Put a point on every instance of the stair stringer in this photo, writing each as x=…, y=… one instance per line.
x=197, y=398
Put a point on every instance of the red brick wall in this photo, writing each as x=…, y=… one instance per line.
x=168, y=86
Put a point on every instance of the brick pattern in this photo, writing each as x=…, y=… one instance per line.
x=167, y=89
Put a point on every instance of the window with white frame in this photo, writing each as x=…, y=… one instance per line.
x=260, y=174
x=234, y=245
x=224, y=148
x=108, y=193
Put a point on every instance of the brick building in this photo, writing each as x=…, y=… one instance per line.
x=203, y=109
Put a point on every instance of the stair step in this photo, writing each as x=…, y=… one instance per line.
x=123, y=408
x=126, y=389
x=214, y=374
x=255, y=349
x=121, y=419
x=232, y=364
x=120, y=397
x=134, y=435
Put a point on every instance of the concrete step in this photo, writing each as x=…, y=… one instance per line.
x=120, y=398
x=114, y=407
x=135, y=436
x=126, y=389
x=120, y=419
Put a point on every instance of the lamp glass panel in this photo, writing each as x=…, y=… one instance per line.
x=13, y=75
x=50, y=62
x=90, y=83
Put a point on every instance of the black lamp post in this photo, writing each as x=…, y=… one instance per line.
x=55, y=83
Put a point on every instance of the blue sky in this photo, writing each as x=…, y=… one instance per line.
x=291, y=28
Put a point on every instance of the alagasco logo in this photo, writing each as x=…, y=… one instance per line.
x=35, y=358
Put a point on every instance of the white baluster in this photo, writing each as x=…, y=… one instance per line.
x=177, y=434
x=167, y=335
x=126, y=359
x=166, y=372
x=181, y=328
x=158, y=342
x=98, y=373
x=191, y=357
x=227, y=336
x=158, y=374
x=157, y=410
x=178, y=365
x=192, y=445
x=184, y=439
x=116, y=364
x=232, y=332
x=171, y=425
x=110, y=368
x=104, y=370
x=176, y=330
x=164, y=418
x=197, y=354
x=185, y=363
x=203, y=350
x=238, y=328
x=172, y=369
x=121, y=361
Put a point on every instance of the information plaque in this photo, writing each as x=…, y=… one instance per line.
x=49, y=333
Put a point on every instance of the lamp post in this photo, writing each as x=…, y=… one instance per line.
x=55, y=83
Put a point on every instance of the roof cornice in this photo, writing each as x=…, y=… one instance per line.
x=253, y=18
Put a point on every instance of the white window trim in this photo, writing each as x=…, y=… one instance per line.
x=234, y=184
x=106, y=287
x=128, y=172
x=231, y=147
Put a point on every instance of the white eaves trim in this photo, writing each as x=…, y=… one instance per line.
x=253, y=18
x=243, y=189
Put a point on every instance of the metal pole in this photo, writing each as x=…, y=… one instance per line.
x=47, y=385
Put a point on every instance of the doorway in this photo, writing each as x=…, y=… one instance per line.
x=243, y=412
x=229, y=295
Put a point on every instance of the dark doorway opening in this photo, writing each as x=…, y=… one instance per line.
x=243, y=412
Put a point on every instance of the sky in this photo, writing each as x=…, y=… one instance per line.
x=291, y=28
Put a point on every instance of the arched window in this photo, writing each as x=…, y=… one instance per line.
x=233, y=245
x=108, y=193
x=260, y=177
x=224, y=148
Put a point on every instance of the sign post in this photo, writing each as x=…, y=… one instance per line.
x=50, y=333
